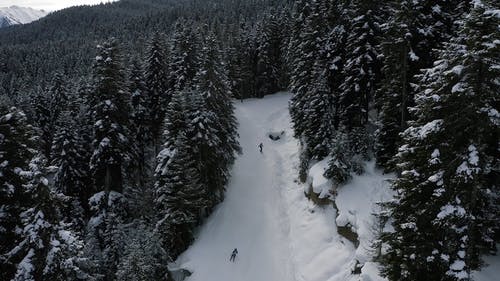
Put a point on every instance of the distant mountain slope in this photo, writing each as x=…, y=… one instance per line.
x=19, y=15
x=65, y=40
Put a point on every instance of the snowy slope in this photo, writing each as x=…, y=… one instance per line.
x=279, y=233
x=19, y=15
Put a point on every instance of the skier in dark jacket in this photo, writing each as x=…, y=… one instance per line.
x=233, y=255
x=260, y=147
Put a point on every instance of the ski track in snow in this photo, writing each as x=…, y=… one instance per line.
x=253, y=216
x=279, y=233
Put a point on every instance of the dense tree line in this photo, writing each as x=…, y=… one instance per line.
x=132, y=143
x=106, y=177
x=414, y=84
x=64, y=41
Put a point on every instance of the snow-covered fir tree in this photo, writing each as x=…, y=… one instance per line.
x=270, y=64
x=110, y=111
x=444, y=216
x=49, y=105
x=110, y=160
x=157, y=93
x=211, y=83
x=16, y=151
x=361, y=69
x=242, y=66
x=44, y=247
x=140, y=121
x=412, y=33
x=72, y=175
x=319, y=115
x=183, y=56
x=143, y=258
x=203, y=128
x=305, y=46
x=180, y=197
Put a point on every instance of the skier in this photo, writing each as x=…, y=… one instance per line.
x=233, y=255
x=260, y=147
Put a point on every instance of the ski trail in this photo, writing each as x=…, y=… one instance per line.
x=254, y=216
x=279, y=233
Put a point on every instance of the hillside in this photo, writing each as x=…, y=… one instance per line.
x=68, y=37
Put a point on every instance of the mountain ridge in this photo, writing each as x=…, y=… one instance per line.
x=14, y=15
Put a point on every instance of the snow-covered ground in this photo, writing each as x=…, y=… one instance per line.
x=253, y=217
x=279, y=233
x=491, y=271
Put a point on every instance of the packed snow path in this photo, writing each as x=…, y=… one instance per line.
x=280, y=235
x=251, y=217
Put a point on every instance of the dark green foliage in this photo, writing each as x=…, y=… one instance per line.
x=319, y=114
x=72, y=175
x=270, y=64
x=180, y=196
x=156, y=93
x=414, y=31
x=48, y=107
x=335, y=70
x=110, y=112
x=65, y=40
x=141, y=122
x=212, y=84
x=143, y=258
x=40, y=248
x=200, y=144
x=448, y=160
x=183, y=60
x=100, y=132
x=16, y=151
x=362, y=65
x=243, y=63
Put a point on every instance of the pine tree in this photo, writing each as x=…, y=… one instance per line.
x=414, y=30
x=211, y=83
x=110, y=160
x=203, y=133
x=269, y=64
x=110, y=111
x=318, y=116
x=246, y=63
x=235, y=62
x=448, y=161
x=72, y=175
x=16, y=151
x=180, y=197
x=183, y=56
x=48, y=109
x=361, y=69
x=392, y=96
x=141, y=121
x=333, y=53
x=156, y=83
x=105, y=238
x=319, y=59
x=38, y=224
x=306, y=45
x=144, y=258
x=39, y=248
